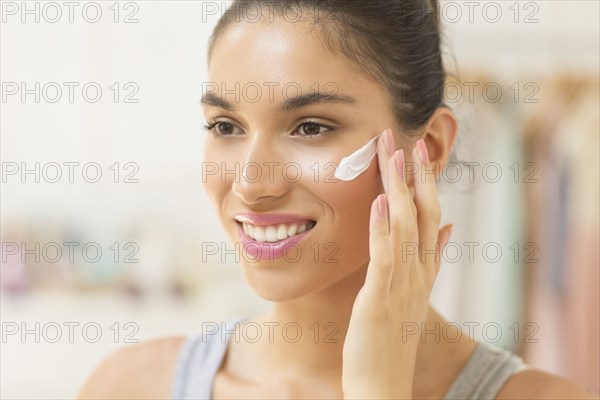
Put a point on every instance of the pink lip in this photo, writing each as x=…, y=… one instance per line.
x=270, y=219
x=287, y=248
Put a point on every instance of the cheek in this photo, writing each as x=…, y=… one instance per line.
x=210, y=174
x=215, y=186
x=347, y=221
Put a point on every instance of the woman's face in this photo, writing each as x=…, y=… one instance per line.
x=288, y=147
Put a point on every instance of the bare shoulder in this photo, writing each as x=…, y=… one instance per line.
x=141, y=371
x=537, y=384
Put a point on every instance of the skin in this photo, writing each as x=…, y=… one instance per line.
x=370, y=291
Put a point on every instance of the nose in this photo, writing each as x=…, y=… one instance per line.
x=260, y=176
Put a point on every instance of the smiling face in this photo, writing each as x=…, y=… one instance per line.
x=262, y=99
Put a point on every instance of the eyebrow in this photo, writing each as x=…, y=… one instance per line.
x=289, y=104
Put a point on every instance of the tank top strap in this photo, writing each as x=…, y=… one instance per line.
x=201, y=355
x=485, y=373
x=199, y=359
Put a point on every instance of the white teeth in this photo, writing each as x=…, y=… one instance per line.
x=275, y=233
x=259, y=234
x=271, y=234
x=282, y=232
x=292, y=230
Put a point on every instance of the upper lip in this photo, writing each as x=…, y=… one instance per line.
x=270, y=219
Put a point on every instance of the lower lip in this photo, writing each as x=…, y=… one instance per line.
x=287, y=248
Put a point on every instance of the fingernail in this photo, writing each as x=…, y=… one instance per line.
x=400, y=162
x=388, y=141
x=382, y=205
x=422, y=149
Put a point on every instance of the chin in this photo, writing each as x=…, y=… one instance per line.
x=275, y=282
x=278, y=283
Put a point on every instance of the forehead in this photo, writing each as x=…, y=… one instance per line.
x=283, y=53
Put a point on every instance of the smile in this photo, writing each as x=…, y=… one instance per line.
x=276, y=233
x=272, y=236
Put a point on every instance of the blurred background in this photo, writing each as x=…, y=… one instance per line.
x=104, y=221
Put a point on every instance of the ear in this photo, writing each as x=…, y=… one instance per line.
x=440, y=134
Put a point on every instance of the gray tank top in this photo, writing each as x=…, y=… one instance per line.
x=201, y=356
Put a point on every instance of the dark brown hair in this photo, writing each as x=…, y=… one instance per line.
x=396, y=42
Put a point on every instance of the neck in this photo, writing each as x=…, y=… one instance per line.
x=308, y=338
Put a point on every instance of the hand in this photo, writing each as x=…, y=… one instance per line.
x=378, y=362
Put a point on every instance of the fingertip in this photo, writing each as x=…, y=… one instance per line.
x=445, y=235
x=396, y=165
x=374, y=211
x=415, y=154
x=379, y=211
x=422, y=151
x=382, y=205
x=379, y=207
x=418, y=168
x=388, y=141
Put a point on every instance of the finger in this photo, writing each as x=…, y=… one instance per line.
x=385, y=150
x=427, y=203
x=443, y=239
x=403, y=226
x=380, y=267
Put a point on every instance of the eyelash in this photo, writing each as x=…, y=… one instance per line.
x=210, y=127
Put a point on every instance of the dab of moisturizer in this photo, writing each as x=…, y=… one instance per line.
x=356, y=163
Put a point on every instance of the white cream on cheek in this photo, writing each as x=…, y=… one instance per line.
x=356, y=163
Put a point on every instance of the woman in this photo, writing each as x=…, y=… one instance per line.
x=296, y=86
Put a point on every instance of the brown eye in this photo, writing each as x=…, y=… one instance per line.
x=224, y=128
x=313, y=129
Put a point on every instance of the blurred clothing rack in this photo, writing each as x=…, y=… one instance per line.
x=553, y=124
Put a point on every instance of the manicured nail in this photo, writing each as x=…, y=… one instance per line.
x=388, y=141
x=382, y=205
x=400, y=162
x=422, y=149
